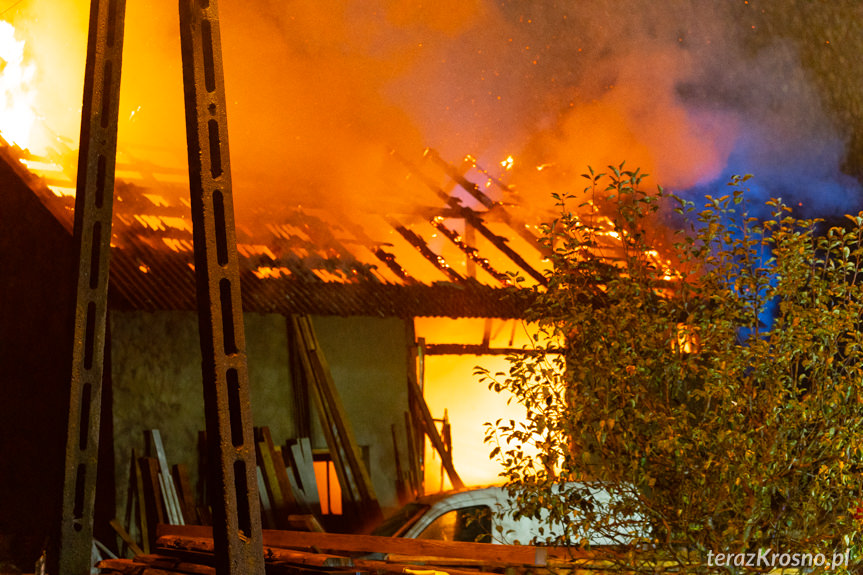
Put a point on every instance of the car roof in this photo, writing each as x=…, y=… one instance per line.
x=458, y=494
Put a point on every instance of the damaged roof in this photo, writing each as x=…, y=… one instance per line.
x=452, y=253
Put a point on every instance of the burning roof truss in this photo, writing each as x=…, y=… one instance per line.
x=447, y=252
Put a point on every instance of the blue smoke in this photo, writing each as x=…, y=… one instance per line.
x=806, y=176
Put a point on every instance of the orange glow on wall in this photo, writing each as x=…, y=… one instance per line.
x=451, y=384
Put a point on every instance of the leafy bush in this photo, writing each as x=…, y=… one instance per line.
x=720, y=401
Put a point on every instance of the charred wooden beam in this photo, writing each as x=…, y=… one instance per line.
x=94, y=203
x=473, y=218
x=427, y=421
x=423, y=248
x=415, y=441
x=384, y=256
x=473, y=257
x=480, y=349
x=235, y=500
x=390, y=261
x=470, y=240
x=471, y=188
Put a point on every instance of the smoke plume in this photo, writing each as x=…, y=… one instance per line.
x=321, y=92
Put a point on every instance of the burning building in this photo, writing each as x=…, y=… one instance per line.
x=341, y=214
x=362, y=275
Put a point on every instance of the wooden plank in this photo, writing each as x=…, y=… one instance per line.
x=401, y=488
x=167, y=502
x=340, y=543
x=153, y=565
x=131, y=503
x=173, y=565
x=185, y=494
x=347, y=460
x=297, y=491
x=274, y=488
x=267, y=518
x=127, y=539
x=414, y=470
x=303, y=465
x=371, y=507
x=173, y=543
x=142, y=504
x=303, y=348
x=349, y=444
x=280, y=469
x=431, y=431
x=287, y=568
x=299, y=384
x=416, y=440
x=430, y=568
x=350, y=494
x=308, y=344
x=169, y=491
x=128, y=567
x=152, y=496
x=438, y=561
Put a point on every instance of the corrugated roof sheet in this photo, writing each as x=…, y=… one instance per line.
x=444, y=258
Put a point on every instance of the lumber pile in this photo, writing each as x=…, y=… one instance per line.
x=189, y=549
x=161, y=494
x=286, y=477
x=358, y=493
x=158, y=493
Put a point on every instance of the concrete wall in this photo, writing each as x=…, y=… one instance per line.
x=156, y=379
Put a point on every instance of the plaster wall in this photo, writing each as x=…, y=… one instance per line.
x=156, y=378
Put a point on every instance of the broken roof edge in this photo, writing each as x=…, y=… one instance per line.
x=172, y=288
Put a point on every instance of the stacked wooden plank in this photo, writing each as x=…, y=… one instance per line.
x=159, y=494
x=190, y=550
x=286, y=482
x=358, y=493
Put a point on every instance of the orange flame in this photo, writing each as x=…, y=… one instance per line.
x=17, y=114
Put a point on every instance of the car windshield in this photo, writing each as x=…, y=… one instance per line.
x=401, y=520
x=466, y=524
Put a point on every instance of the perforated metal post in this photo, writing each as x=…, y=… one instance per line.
x=92, y=240
x=236, y=507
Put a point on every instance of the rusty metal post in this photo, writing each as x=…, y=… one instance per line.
x=236, y=507
x=92, y=239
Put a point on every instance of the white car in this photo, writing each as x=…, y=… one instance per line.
x=485, y=515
